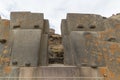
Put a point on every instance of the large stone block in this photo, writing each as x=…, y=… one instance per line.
x=68, y=56
x=26, y=47
x=84, y=51
x=26, y=20
x=33, y=37
x=107, y=29
x=85, y=22
x=78, y=22
x=56, y=73
x=61, y=73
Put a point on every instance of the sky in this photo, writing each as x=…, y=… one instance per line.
x=55, y=10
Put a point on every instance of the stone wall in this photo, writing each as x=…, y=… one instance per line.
x=91, y=40
x=56, y=54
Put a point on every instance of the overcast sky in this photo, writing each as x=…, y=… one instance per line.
x=55, y=10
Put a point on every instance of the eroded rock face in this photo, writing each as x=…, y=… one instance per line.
x=55, y=48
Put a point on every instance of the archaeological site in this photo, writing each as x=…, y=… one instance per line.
x=88, y=47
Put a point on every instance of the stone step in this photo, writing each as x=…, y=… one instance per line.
x=56, y=72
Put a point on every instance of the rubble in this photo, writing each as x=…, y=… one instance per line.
x=55, y=48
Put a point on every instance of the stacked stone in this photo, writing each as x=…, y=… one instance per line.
x=4, y=47
x=91, y=48
x=55, y=48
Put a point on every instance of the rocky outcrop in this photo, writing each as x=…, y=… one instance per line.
x=116, y=16
x=55, y=48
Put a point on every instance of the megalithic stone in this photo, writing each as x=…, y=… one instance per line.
x=85, y=22
x=78, y=22
x=43, y=59
x=83, y=49
x=26, y=47
x=28, y=30
x=111, y=52
x=27, y=20
x=68, y=56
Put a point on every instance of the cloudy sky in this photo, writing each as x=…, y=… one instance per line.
x=55, y=10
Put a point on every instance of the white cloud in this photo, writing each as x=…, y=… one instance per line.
x=55, y=10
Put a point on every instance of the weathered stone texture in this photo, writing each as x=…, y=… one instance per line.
x=91, y=47
x=26, y=47
x=4, y=47
x=55, y=48
x=27, y=20
x=78, y=22
x=85, y=22
x=96, y=46
x=83, y=49
x=23, y=40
